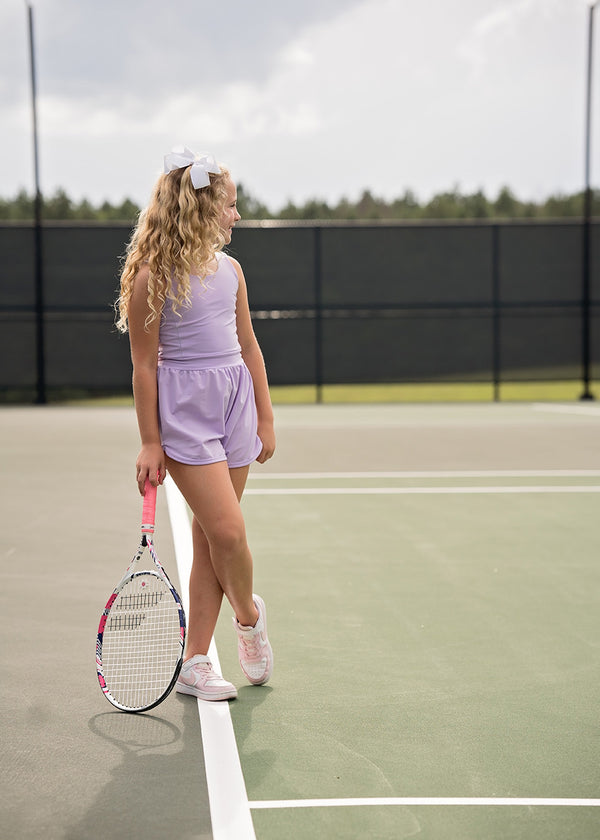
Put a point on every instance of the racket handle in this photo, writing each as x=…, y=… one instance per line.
x=149, y=508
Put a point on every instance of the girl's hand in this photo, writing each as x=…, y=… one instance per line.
x=266, y=433
x=151, y=463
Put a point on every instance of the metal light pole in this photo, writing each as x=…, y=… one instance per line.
x=37, y=205
x=587, y=214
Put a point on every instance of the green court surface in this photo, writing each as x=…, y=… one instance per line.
x=432, y=579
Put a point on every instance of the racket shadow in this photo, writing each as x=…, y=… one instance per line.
x=148, y=793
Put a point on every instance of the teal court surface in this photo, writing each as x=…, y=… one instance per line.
x=432, y=579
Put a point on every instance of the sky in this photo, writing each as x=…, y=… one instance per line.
x=311, y=99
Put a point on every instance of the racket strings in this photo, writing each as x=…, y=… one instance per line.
x=142, y=641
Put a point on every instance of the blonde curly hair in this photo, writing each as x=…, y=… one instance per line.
x=178, y=234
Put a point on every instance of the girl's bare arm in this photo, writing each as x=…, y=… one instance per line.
x=144, y=356
x=253, y=358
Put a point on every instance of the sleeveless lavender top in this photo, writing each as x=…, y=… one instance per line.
x=203, y=334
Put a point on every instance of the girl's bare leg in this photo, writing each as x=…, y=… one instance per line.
x=222, y=561
x=206, y=596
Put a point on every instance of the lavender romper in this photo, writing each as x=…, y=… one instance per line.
x=206, y=402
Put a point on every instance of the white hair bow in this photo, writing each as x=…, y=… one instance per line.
x=180, y=157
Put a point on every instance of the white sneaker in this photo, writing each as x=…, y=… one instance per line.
x=254, y=650
x=197, y=677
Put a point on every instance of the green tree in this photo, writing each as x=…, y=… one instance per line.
x=345, y=210
x=20, y=208
x=127, y=211
x=451, y=204
x=506, y=205
x=475, y=206
x=315, y=208
x=290, y=211
x=58, y=206
x=84, y=211
x=406, y=207
x=248, y=206
x=444, y=205
x=561, y=206
x=106, y=212
x=368, y=207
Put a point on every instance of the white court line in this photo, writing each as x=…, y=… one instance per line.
x=409, y=491
x=227, y=796
x=316, y=476
x=424, y=800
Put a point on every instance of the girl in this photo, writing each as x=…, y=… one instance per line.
x=201, y=397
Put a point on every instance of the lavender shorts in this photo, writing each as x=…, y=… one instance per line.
x=208, y=415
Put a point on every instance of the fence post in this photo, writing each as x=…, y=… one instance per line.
x=586, y=307
x=37, y=231
x=318, y=293
x=587, y=212
x=496, y=316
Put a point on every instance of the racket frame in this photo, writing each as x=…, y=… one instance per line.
x=148, y=519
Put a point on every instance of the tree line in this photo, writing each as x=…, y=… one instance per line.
x=451, y=204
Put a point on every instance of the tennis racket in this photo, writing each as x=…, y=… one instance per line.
x=139, y=649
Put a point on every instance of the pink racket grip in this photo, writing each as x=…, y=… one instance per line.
x=149, y=508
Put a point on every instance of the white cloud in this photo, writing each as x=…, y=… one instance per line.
x=378, y=94
x=297, y=54
x=501, y=30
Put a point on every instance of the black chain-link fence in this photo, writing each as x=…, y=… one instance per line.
x=332, y=303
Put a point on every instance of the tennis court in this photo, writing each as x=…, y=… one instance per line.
x=433, y=586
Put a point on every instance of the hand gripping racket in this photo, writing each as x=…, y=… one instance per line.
x=139, y=649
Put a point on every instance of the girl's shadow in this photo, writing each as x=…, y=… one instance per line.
x=258, y=762
x=159, y=787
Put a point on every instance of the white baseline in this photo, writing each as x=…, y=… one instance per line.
x=409, y=491
x=426, y=800
x=317, y=476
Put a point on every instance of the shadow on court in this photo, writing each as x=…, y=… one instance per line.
x=153, y=791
